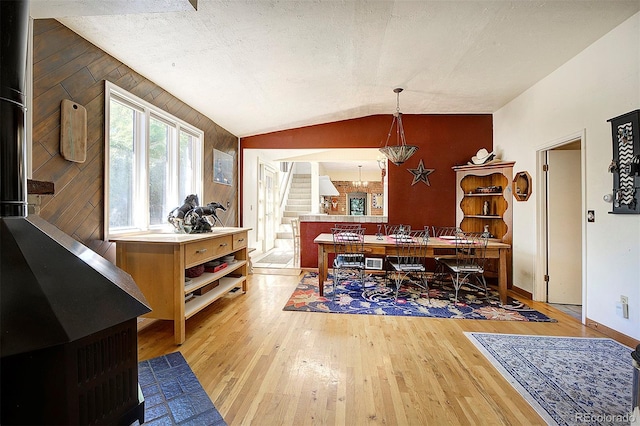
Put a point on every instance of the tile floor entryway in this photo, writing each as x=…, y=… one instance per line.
x=277, y=261
x=275, y=258
x=573, y=310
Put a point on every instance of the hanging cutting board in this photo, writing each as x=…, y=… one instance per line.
x=73, y=131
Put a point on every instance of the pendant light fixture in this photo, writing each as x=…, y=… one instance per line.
x=400, y=152
x=360, y=183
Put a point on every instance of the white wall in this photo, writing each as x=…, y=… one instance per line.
x=600, y=83
x=250, y=185
x=250, y=194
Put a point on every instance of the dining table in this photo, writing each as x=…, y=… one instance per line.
x=384, y=245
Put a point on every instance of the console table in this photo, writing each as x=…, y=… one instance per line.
x=157, y=262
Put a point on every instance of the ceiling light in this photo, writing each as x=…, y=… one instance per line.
x=360, y=183
x=400, y=152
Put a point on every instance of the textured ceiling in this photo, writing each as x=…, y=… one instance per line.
x=264, y=65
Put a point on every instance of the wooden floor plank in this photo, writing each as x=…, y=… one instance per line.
x=262, y=365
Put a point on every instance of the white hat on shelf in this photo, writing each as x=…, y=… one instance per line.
x=482, y=156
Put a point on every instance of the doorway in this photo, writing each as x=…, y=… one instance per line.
x=271, y=252
x=271, y=213
x=266, y=211
x=561, y=226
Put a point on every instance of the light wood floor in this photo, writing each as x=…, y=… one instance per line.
x=261, y=365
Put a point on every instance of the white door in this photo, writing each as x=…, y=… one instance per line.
x=270, y=211
x=564, y=218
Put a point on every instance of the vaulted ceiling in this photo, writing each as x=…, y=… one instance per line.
x=265, y=65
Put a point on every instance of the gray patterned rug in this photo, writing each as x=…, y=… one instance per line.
x=278, y=258
x=567, y=380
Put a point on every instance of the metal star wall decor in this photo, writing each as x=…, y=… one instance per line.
x=421, y=174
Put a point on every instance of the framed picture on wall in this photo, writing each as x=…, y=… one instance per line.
x=377, y=201
x=222, y=167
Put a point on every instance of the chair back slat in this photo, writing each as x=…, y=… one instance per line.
x=467, y=265
x=471, y=248
x=411, y=248
x=444, y=231
x=407, y=265
x=347, y=226
x=396, y=229
x=349, y=242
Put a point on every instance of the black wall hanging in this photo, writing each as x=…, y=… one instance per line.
x=625, y=166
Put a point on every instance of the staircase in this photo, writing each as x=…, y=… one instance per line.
x=298, y=202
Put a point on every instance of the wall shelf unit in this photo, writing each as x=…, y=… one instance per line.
x=157, y=263
x=484, y=201
x=522, y=186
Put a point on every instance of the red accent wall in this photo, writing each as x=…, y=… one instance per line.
x=443, y=140
x=310, y=230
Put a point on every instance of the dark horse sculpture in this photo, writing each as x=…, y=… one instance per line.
x=192, y=218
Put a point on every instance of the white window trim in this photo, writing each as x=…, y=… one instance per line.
x=141, y=185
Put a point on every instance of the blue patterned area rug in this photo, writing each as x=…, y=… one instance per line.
x=173, y=394
x=567, y=380
x=378, y=299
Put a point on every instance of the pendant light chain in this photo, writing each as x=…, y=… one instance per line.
x=400, y=152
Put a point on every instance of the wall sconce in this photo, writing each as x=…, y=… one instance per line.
x=383, y=167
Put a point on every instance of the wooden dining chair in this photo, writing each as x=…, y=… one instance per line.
x=468, y=265
x=409, y=263
x=348, y=244
x=295, y=232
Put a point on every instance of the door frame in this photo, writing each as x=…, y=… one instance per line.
x=270, y=225
x=262, y=223
x=539, y=286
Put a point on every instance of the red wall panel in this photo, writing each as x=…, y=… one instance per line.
x=443, y=140
x=310, y=230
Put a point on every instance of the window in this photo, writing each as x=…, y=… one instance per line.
x=153, y=161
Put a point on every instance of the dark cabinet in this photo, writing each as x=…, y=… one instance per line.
x=625, y=165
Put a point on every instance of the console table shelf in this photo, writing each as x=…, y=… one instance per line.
x=198, y=303
x=158, y=261
x=209, y=277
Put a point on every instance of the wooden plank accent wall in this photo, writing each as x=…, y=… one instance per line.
x=66, y=66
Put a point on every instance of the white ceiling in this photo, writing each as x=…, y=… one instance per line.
x=265, y=65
